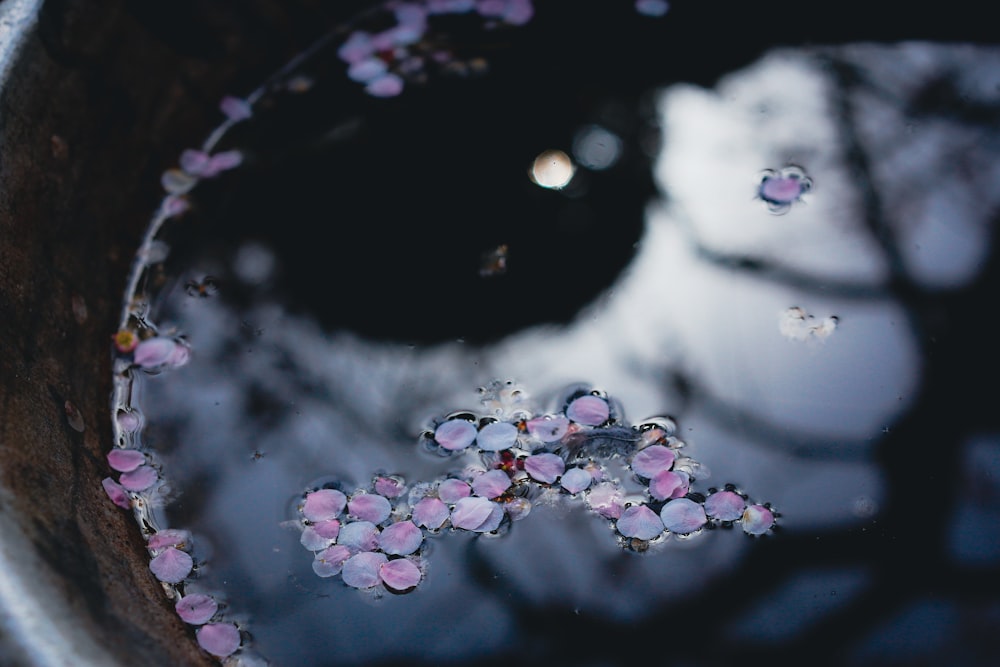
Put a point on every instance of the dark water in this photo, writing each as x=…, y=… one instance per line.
x=824, y=359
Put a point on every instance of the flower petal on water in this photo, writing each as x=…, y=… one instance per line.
x=757, y=520
x=235, y=108
x=431, y=513
x=196, y=608
x=168, y=537
x=652, y=460
x=606, y=499
x=219, y=639
x=362, y=570
x=224, y=161
x=194, y=162
x=400, y=539
x=492, y=521
x=452, y=490
x=358, y=536
x=116, y=492
x=472, y=512
x=455, y=434
x=589, y=411
x=154, y=352
x=400, y=574
x=544, y=467
x=641, y=522
x=125, y=460
x=668, y=484
x=725, y=506
x=369, y=507
x=313, y=541
x=387, y=85
x=497, y=436
x=331, y=560
x=139, y=479
x=575, y=480
x=390, y=487
x=323, y=504
x=171, y=566
x=548, y=429
x=491, y=484
x=683, y=516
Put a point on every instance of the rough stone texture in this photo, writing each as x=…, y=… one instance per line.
x=101, y=100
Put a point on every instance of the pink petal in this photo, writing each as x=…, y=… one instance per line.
x=168, y=537
x=224, y=161
x=366, y=70
x=129, y=421
x=725, y=506
x=196, y=609
x=387, y=85
x=491, y=484
x=235, y=108
x=116, y=492
x=323, y=504
x=400, y=539
x=652, y=460
x=328, y=529
x=125, y=460
x=331, y=560
x=154, y=352
x=139, y=479
x=589, y=411
x=518, y=12
x=390, y=487
x=575, y=480
x=641, y=522
x=757, y=520
x=606, y=499
x=470, y=513
x=359, y=536
x=455, y=434
x=683, y=516
x=492, y=521
x=177, y=182
x=497, y=436
x=362, y=570
x=171, y=566
x=668, y=484
x=430, y=513
x=369, y=507
x=544, y=467
x=194, y=162
x=548, y=429
x=219, y=639
x=452, y=490
x=400, y=574
x=313, y=541
x=357, y=47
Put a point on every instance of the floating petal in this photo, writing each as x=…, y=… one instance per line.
x=472, y=512
x=497, y=436
x=194, y=162
x=544, y=467
x=589, y=411
x=431, y=513
x=168, y=537
x=452, y=490
x=606, y=499
x=400, y=574
x=641, y=522
x=548, y=429
x=362, y=570
x=366, y=70
x=369, y=507
x=390, y=487
x=116, y=492
x=313, y=541
x=359, y=536
x=196, y=609
x=171, y=566
x=331, y=560
x=235, y=108
x=125, y=460
x=491, y=484
x=725, y=506
x=575, y=480
x=219, y=639
x=400, y=539
x=757, y=520
x=387, y=85
x=652, y=460
x=323, y=504
x=683, y=516
x=139, y=479
x=668, y=484
x=455, y=434
x=224, y=161
x=154, y=352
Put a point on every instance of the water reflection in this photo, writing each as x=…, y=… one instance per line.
x=275, y=402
